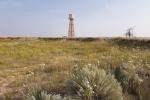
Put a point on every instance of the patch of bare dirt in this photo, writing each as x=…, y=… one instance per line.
x=4, y=87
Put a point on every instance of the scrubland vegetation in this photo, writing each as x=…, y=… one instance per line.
x=79, y=69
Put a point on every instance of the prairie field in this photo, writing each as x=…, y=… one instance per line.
x=30, y=66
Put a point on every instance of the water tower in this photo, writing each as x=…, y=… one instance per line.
x=71, y=33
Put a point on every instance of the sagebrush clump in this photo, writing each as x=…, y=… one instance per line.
x=37, y=93
x=46, y=96
x=130, y=82
x=91, y=83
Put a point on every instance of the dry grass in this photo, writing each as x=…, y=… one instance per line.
x=47, y=62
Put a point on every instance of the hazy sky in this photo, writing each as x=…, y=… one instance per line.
x=92, y=17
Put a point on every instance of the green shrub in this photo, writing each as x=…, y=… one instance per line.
x=33, y=92
x=123, y=77
x=36, y=93
x=91, y=83
x=130, y=81
x=46, y=96
x=144, y=90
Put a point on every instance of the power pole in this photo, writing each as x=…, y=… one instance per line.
x=129, y=32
